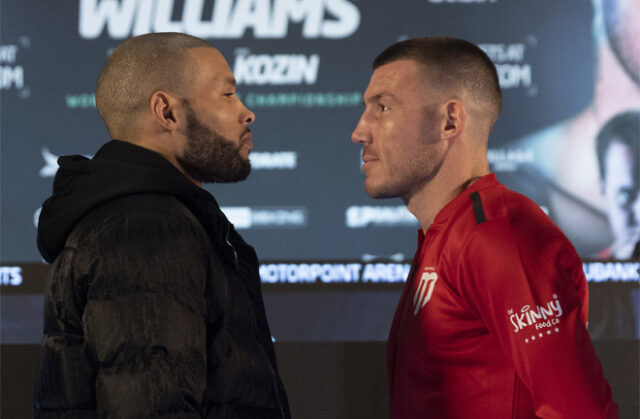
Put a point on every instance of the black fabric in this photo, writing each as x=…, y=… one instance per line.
x=153, y=305
x=478, y=211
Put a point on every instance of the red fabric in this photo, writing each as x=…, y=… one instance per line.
x=491, y=323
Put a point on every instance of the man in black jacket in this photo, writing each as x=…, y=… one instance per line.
x=153, y=302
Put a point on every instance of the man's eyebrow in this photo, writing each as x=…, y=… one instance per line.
x=231, y=81
x=377, y=97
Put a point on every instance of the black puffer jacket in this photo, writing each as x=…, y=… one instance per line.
x=153, y=305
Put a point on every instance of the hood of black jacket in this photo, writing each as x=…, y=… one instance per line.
x=118, y=169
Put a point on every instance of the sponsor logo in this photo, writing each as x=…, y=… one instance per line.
x=384, y=216
x=509, y=59
x=612, y=271
x=283, y=160
x=385, y=272
x=50, y=163
x=230, y=19
x=80, y=100
x=425, y=289
x=303, y=99
x=263, y=217
x=12, y=76
x=508, y=160
x=310, y=272
x=541, y=317
x=10, y=276
x=296, y=273
x=276, y=69
x=541, y=335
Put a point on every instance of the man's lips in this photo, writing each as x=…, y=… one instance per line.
x=367, y=159
x=247, y=139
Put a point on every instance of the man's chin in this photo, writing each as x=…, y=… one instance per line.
x=377, y=192
x=234, y=173
x=236, y=176
x=227, y=179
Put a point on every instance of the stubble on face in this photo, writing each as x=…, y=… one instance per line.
x=209, y=157
x=412, y=168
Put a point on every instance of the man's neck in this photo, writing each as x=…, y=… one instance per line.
x=152, y=143
x=434, y=196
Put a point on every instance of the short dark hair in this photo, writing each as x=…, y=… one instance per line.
x=456, y=62
x=624, y=129
x=137, y=68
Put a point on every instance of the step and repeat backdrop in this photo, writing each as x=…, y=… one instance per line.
x=333, y=260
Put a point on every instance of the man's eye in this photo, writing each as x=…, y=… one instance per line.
x=383, y=108
x=229, y=94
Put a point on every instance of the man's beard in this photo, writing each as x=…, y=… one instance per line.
x=420, y=174
x=209, y=157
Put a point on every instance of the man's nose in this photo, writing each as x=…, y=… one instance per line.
x=248, y=117
x=360, y=133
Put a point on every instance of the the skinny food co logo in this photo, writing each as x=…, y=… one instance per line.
x=540, y=317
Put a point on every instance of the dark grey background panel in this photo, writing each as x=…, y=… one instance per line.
x=52, y=54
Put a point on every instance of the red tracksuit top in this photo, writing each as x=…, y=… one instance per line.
x=492, y=320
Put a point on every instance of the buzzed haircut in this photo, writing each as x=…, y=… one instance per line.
x=135, y=70
x=454, y=63
x=624, y=129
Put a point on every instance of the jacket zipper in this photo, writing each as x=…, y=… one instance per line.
x=235, y=254
x=273, y=373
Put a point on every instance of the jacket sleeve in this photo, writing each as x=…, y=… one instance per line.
x=530, y=291
x=144, y=320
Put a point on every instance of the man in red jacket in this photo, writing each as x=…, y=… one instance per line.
x=492, y=319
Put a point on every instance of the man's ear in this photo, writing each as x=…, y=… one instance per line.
x=164, y=108
x=455, y=118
